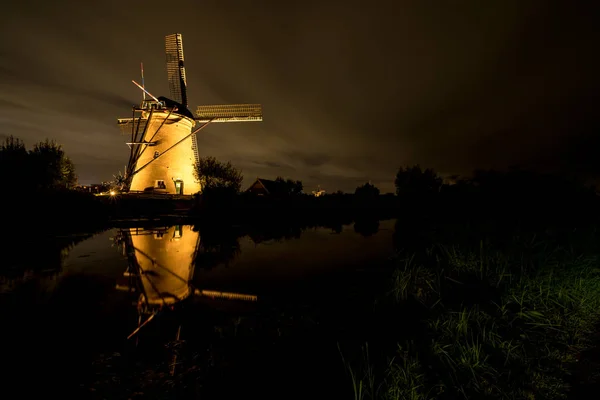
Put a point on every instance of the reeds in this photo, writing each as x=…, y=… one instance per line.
x=362, y=377
x=520, y=342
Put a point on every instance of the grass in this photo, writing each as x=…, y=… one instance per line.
x=363, y=379
x=503, y=323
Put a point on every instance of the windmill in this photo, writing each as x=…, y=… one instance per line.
x=163, y=146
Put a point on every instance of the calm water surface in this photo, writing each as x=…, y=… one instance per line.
x=60, y=319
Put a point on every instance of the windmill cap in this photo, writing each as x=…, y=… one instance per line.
x=181, y=109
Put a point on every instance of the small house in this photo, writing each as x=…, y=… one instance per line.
x=267, y=187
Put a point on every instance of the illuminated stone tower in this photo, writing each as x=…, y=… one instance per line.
x=163, y=147
x=170, y=160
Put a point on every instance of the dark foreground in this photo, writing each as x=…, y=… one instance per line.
x=473, y=302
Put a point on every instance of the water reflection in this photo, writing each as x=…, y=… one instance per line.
x=366, y=227
x=163, y=260
x=177, y=283
x=34, y=260
x=169, y=264
x=219, y=245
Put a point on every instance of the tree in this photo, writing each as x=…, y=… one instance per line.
x=52, y=168
x=367, y=191
x=68, y=176
x=291, y=187
x=45, y=167
x=13, y=148
x=14, y=163
x=413, y=180
x=213, y=174
x=296, y=187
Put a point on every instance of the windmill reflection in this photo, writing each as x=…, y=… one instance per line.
x=162, y=260
x=161, y=264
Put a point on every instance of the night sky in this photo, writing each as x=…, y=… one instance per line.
x=350, y=90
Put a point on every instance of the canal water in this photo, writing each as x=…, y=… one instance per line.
x=90, y=316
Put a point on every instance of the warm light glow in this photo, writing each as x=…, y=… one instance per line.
x=165, y=258
x=112, y=193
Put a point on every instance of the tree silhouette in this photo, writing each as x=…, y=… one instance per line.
x=366, y=191
x=413, y=180
x=291, y=187
x=13, y=149
x=46, y=167
x=214, y=174
x=14, y=163
x=366, y=226
x=53, y=169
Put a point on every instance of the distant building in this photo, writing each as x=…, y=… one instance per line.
x=93, y=188
x=267, y=187
x=83, y=188
x=319, y=192
x=451, y=180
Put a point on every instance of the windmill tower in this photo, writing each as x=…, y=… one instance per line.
x=163, y=147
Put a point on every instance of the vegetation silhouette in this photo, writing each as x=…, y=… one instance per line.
x=292, y=187
x=38, y=186
x=35, y=255
x=219, y=245
x=212, y=173
x=366, y=226
x=366, y=192
x=46, y=167
x=415, y=181
x=220, y=183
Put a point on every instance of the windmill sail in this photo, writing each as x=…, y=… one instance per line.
x=175, y=68
x=229, y=113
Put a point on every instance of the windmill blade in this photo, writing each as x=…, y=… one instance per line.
x=175, y=68
x=229, y=113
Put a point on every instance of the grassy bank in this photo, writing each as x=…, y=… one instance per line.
x=493, y=322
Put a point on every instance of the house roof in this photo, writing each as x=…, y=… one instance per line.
x=272, y=187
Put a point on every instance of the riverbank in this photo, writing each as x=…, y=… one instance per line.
x=492, y=300
x=70, y=211
x=504, y=316
x=508, y=321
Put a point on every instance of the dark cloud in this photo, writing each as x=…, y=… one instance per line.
x=269, y=164
x=307, y=159
x=8, y=104
x=18, y=77
x=350, y=91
